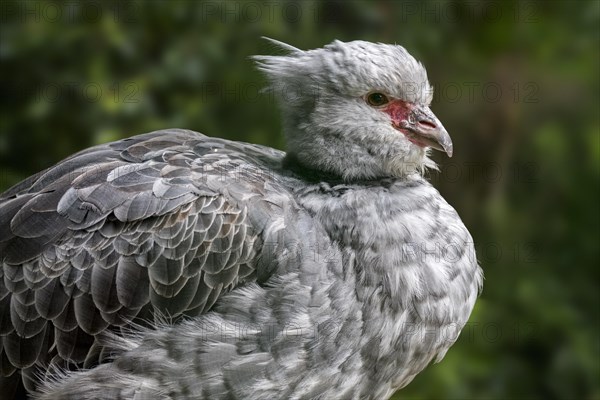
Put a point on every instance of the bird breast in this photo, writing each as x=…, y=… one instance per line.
x=412, y=265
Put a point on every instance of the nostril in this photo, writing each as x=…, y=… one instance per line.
x=427, y=124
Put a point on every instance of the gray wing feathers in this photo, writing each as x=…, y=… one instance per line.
x=152, y=222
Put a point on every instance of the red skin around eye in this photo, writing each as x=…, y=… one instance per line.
x=399, y=111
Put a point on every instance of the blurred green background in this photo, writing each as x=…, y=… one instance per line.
x=517, y=87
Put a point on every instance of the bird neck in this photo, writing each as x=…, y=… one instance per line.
x=309, y=173
x=345, y=153
x=328, y=156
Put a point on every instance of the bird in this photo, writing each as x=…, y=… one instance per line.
x=173, y=265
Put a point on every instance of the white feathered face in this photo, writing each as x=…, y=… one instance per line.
x=358, y=109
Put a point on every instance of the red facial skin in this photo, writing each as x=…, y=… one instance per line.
x=418, y=123
x=400, y=111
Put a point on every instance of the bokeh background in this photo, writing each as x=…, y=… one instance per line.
x=517, y=86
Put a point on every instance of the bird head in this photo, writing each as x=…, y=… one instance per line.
x=358, y=110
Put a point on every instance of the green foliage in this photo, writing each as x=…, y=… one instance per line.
x=517, y=88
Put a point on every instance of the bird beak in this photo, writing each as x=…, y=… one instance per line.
x=424, y=128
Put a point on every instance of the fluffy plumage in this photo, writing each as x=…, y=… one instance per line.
x=177, y=266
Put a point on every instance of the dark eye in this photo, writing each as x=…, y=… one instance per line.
x=377, y=99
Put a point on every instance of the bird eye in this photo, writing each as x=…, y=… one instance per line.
x=377, y=99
